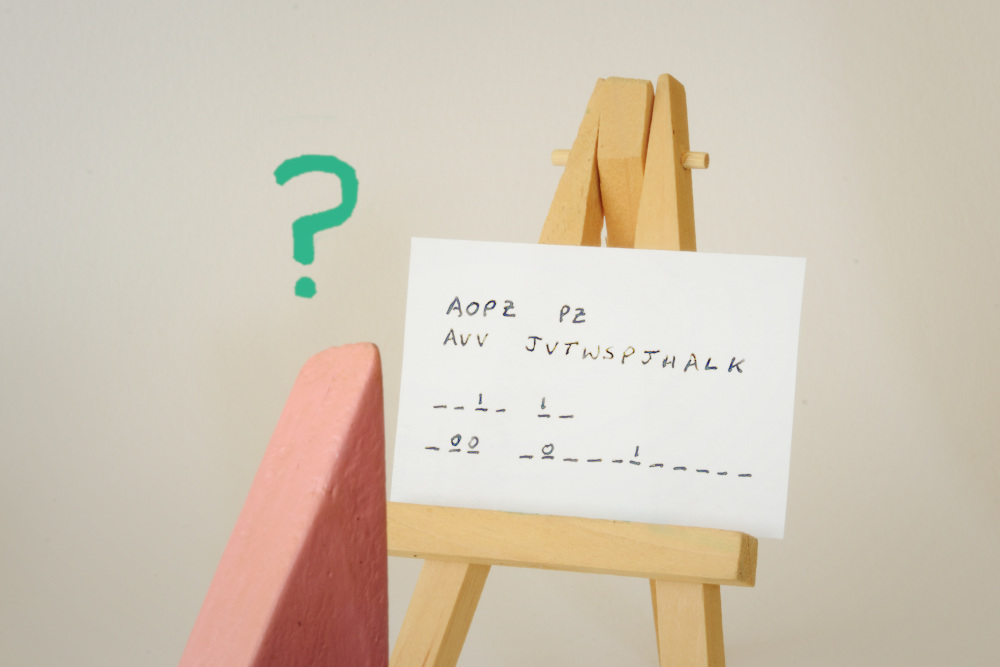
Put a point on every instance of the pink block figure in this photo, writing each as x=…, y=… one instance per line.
x=303, y=579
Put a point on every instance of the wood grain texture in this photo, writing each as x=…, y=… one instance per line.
x=440, y=612
x=576, y=216
x=688, y=620
x=624, y=548
x=621, y=154
x=666, y=207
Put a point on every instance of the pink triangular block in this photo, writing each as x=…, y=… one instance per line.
x=303, y=579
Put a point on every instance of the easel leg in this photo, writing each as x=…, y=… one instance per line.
x=688, y=619
x=439, y=614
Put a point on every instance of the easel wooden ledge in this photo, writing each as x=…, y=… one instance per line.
x=634, y=173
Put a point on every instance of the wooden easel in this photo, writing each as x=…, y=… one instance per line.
x=629, y=165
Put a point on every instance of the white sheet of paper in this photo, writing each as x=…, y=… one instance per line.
x=640, y=385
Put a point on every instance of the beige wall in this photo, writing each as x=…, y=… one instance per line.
x=150, y=333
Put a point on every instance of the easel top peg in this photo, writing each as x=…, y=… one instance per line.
x=690, y=160
x=629, y=167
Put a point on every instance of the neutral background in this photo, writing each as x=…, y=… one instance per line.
x=150, y=333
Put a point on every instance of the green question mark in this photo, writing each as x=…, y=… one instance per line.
x=305, y=228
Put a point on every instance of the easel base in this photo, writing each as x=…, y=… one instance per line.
x=684, y=565
x=687, y=618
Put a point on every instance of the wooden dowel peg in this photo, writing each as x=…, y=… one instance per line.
x=695, y=160
x=691, y=160
x=560, y=157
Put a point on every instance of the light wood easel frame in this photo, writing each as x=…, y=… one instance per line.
x=629, y=165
